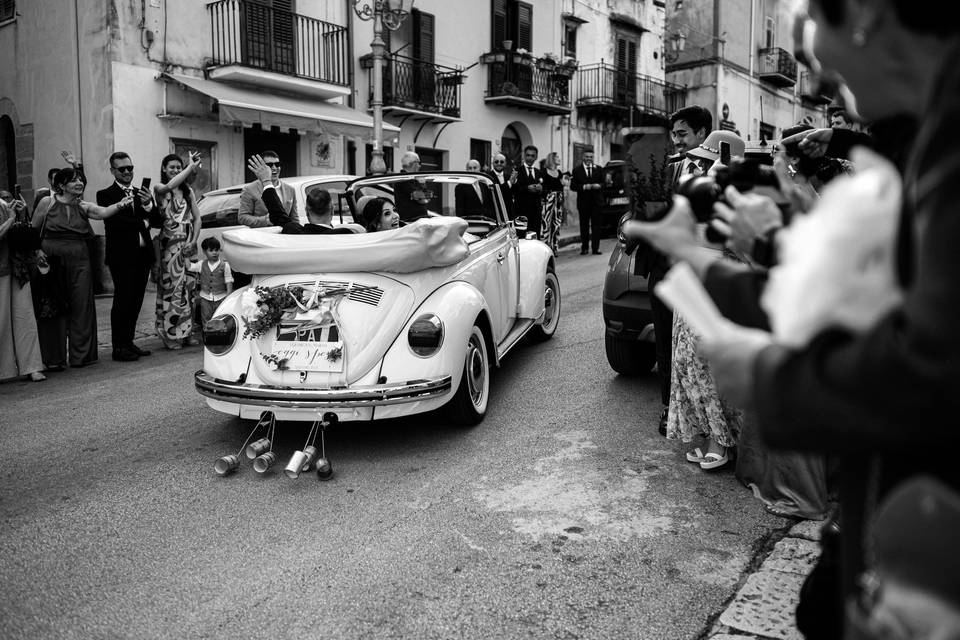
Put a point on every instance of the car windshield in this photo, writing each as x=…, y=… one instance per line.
x=464, y=195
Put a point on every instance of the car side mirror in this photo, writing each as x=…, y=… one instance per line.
x=520, y=224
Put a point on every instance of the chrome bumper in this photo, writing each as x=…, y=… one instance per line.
x=292, y=398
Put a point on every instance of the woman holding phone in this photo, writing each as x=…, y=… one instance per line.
x=178, y=237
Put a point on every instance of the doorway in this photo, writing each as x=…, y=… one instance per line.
x=258, y=140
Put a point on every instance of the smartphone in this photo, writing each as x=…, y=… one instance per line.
x=725, y=154
x=17, y=193
x=145, y=183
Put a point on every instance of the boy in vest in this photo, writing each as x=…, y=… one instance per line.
x=215, y=280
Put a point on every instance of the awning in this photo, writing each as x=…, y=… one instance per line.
x=237, y=105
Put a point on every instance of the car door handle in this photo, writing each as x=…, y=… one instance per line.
x=500, y=257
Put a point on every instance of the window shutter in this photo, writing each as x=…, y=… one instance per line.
x=8, y=9
x=283, y=35
x=498, y=23
x=423, y=37
x=525, y=26
x=621, y=54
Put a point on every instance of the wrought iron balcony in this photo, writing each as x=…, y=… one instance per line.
x=250, y=35
x=520, y=80
x=605, y=92
x=412, y=86
x=777, y=67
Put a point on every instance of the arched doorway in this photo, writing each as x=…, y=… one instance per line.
x=514, y=138
x=8, y=154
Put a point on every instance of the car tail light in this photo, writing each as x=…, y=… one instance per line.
x=425, y=335
x=219, y=334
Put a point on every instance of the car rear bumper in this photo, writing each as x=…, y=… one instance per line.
x=292, y=398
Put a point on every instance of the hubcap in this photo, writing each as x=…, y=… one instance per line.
x=475, y=371
x=549, y=308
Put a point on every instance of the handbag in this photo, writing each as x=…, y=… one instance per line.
x=49, y=290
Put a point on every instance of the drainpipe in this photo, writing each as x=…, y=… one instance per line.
x=76, y=33
x=753, y=56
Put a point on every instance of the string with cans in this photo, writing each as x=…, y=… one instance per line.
x=229, y=463
x=263, y=456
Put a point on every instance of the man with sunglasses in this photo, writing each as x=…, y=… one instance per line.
x=252, y=212
x=129, y=253
x=501, y=178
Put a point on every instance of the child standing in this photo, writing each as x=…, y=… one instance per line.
x=215, y=279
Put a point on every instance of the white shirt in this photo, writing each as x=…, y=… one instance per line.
x=130, y=191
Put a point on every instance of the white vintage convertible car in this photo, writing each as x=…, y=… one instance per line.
x=378, y=325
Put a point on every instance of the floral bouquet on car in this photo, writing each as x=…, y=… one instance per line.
x=263, y=308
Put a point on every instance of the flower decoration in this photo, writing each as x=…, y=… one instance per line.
x=335, y=354
x=274, y=362
x=262, y=308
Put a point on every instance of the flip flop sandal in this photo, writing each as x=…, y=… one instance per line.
x=714, y=461
x=695, y=455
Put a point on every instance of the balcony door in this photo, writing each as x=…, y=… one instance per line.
x=625, y=75
x=424, y=78
x=267, y=35
x=512, y=23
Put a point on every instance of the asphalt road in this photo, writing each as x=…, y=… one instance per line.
x=563, y=515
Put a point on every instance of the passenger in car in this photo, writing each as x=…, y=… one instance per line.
x=318, y=205
x=379, y=215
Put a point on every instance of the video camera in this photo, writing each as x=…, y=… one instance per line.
x=703, y=191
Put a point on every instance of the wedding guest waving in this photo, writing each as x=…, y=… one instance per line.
x=178, y=236
x=64, y=224
x=319, y=205
x=129, y=253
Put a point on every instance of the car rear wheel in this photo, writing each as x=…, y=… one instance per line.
x=630, y=358
x=469, y=404
x=551, y=308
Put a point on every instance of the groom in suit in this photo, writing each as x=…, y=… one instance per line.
x=129, y=253
x=587, y=182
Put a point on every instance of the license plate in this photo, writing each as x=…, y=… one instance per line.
x=302, y=355
x=619, y=201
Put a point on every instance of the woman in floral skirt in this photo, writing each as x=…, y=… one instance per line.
x=552, y=215
x=178, y=237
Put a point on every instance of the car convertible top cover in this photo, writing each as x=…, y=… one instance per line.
x=425, y=243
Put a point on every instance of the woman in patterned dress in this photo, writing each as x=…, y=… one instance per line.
x=552, y=215
x=178, y=237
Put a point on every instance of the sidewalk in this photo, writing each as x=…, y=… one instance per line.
x=145, y=335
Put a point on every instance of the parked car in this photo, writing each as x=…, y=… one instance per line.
x=627, y=319
x=379, y=325
x=218, y=208
x=616, y=195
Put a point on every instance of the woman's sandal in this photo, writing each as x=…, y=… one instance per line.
x=713, y=460
x=696, y=455
x=36, y=376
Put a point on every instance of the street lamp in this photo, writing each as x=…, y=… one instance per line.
x=676, y=42
x=389, y=14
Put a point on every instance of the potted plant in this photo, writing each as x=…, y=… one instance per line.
x=547, y=63
x=524, y=57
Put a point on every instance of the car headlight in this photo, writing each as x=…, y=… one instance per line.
x=219, y=334
x=425, y=335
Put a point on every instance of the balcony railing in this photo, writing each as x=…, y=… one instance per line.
x=421, y=86
x=812, y=91
x=778, y=67
x=609, y=93
x=255, y=35
x=522, y=81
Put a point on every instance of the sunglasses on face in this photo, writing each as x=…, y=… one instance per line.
x=128, y=169
x=272, y=164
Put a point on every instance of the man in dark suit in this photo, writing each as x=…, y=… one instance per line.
x=527, y=188
x=502, y=178
x=411, y=196
x=129, y=253
x=318, y=205
x=473, y=199
x=587, y=181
